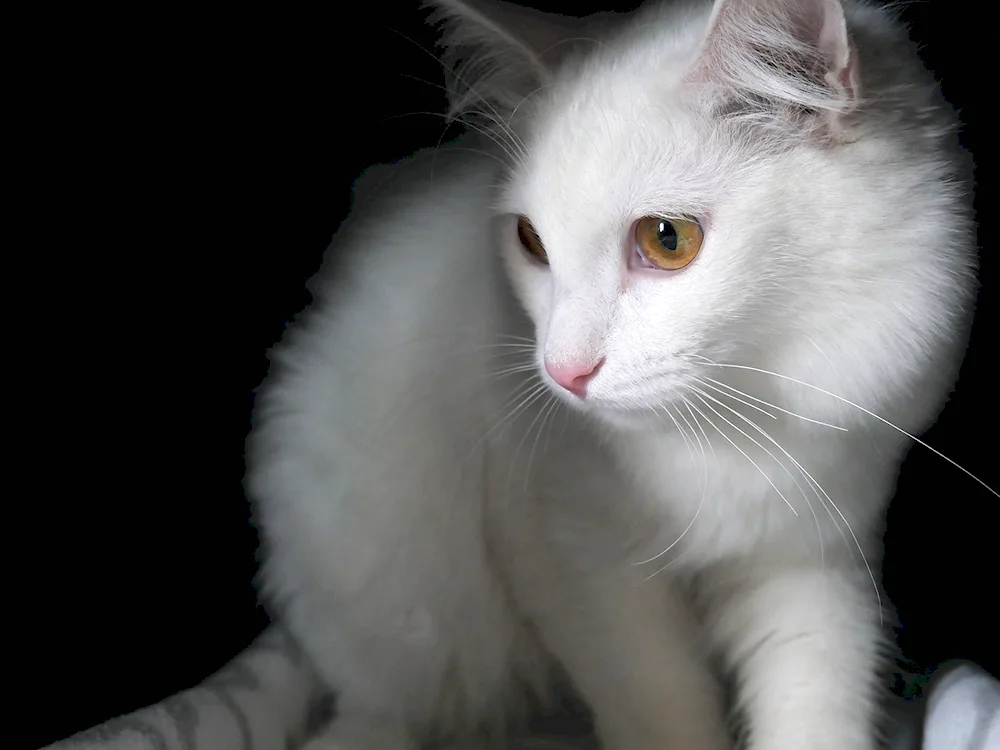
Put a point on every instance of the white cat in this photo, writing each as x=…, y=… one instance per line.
x=599, y=401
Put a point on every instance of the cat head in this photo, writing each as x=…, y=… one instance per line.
x=763, y=183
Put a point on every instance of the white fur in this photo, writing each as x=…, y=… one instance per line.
x=439, y=536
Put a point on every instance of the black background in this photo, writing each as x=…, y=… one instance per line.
x=237, y=138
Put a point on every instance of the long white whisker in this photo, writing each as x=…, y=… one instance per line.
x=548, y=429
x=703, y=434
x=545, y=411
x=703, y=381
x=872, y=414
x=687, y=442
x=773, y=485
x=511, y=357
x=525, y=98
x=504, y=126
x=512, y=370
x=498, y=119
x=528, y=384
x=513, y=337
x=812, y=511
x=697, y=512
x=527, y=432
x=534, y=391
x=766, y=403
x=825, y=500
x=685, y=420
x=491, y=135
x=484, y=131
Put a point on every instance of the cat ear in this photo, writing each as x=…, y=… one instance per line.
x=795, y=55
x=496, y=52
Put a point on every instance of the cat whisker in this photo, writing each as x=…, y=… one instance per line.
x=694, y=417
x=565, y=424
x=527, y=433
x=697, y=512
x=533, y=391
x=508, y=345
x=762, y=401
x=687, y=442
x=745, y=455
x=548, y=429
x=528, y=384
x=824, y=498
x=702, y=357
x=518, y=150
x=512, y=370
x=685, y=420
x=545, y=411
x=870, y=413
x=484, y=131
x=694, y=409
x=536, y=394
x=513, y=337
x=504, y=129
x=805, y=497
x=525, y=98
x=515, y=141
x=491, y=135
x=512, y=359
x=684, y=433
x=704, y=382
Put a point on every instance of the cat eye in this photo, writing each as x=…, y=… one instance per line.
x=530, y=240
x=669, y=244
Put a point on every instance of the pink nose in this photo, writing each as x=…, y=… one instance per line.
x=573, y=376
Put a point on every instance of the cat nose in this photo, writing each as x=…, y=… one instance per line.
x=573, y=376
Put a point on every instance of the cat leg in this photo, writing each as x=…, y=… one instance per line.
x=631, y=648
x=406, y=659
x=804, y=644
x=378, y=566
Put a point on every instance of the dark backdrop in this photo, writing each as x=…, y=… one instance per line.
x=254, y=124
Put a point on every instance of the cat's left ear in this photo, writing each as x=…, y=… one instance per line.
x=498, y=53
x=795, y=55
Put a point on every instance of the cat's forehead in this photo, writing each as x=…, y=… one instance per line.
x=617, y=147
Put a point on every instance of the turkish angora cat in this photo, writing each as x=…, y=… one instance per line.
x=600, y=402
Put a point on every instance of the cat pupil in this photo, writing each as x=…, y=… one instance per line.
x=667, y=235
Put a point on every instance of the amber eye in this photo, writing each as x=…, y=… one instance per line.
x=529, y=238
x=669, y=244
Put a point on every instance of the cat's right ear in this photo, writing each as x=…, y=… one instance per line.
x=791, y=56
x=497, y=54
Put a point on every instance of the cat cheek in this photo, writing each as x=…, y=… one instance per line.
x=534, y=292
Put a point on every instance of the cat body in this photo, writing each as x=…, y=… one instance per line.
x=454, y=521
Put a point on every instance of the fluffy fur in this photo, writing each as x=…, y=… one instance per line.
x=449, y=532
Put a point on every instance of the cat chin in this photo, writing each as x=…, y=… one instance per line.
x=605, y=414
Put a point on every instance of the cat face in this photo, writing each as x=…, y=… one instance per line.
x=771, y=184
x=643, y=237
x=658, y=218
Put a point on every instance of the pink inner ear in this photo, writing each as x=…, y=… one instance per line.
x=832, y=37
x=739, y=28
x=845, y=79
x=835, y=44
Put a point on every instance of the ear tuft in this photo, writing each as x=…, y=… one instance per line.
x=489, y=62
x=787, y=55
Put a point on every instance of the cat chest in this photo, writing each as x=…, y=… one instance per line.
x=727, y=502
